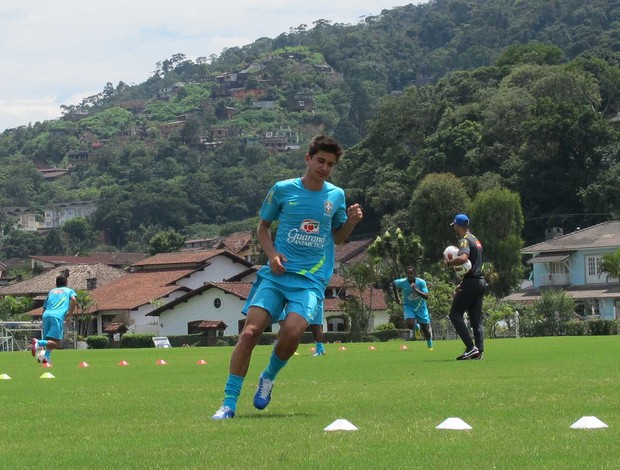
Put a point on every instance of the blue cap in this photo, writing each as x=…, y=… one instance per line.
x=461, y=220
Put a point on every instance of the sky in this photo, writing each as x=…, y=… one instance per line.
x=58, y=52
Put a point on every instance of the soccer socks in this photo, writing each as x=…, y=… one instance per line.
x=319, y=348
x=42, y=343
x=232, y=389
x=48, y=354
x=274, y=366
x=429, y=342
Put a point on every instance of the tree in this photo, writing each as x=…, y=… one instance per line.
x=11, y=307
x=497, y=220
x=433, y=205
x=360, y=280
x=552, y=311
x=79, y=232
x=166, y=241
x=610, y=264
x=82, y=317
x=54, y=243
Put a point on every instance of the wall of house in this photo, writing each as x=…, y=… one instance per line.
x=201, y=307
x=607, y=308
x=220, y=268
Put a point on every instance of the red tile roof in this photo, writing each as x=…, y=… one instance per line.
x=186, y=259
x=111, y=328
x=347, y=251
x=236, y=242
x=337, y=305
x=136, y=289
x=111, y=259
x=212, y=324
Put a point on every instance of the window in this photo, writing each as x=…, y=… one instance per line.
x=217, y=303
x=301, y=104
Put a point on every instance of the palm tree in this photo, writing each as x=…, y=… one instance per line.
x=610, y=264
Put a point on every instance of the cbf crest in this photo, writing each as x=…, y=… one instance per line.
x=328, y=206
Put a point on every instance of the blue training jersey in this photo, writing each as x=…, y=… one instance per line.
x=306, y=220
x=58, y=302
x=410, y=298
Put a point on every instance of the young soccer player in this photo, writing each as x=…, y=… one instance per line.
x=59, y=302
x=414, y=297
x=312, y=217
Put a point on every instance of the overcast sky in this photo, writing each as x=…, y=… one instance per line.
x=58, y=52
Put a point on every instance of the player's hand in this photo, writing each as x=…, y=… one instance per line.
x=355, y=213
x=276, y=263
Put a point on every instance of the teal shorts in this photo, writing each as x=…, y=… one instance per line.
x=280, y=300
x=53, y=327
x=421, y=316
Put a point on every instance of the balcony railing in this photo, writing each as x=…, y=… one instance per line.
x=553, y=280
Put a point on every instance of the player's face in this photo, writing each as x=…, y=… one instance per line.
x=411, y=274
x=321, y=164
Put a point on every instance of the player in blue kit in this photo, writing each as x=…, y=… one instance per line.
x=414, y=297
x=59, y=302
x=312, y=216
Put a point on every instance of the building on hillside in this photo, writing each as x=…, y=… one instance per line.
x=27, y=219
x=57, y=215
x=201, y=243
x=52, y=174
x=116, y=260
x=281, y=140
x=301, y=102
x=170, y=91
x=572, y=263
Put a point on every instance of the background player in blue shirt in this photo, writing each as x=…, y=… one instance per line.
x=312, y=217
x=59, y=302
x=414, y=296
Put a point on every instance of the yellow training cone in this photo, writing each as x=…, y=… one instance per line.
x=5, y=377
x=47, y=375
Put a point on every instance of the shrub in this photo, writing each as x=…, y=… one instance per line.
x=577, y=328
x=137, y=341
x=97, y=342
x=385, y=326
x=602, y=327
x=386, y=335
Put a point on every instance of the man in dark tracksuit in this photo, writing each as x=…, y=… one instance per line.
x=469, y=293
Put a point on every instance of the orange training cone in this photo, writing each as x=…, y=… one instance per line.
x=161, y=362
x=312, y=349
x=372, y=348
x=83, y=364
x=47, y=365
x=342, y=348
x=201, y=362
x=404, y=347
x=123, y=363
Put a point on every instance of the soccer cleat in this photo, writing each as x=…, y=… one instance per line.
x=34, y=345
x=430, y=349
x=263, y=394
x=225, y=412
x=479, y=356
x=45, y=361
x=418, y=334
x=319, y=353
x=472, y=353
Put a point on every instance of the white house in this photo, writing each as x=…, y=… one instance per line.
x=571, y=263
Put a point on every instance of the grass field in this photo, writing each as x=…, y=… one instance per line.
x=520, y=400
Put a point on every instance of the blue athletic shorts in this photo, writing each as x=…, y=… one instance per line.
x=280, y=300
x=53, y=327
x=420, y=317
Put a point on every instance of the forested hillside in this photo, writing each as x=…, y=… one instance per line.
x=454, y=96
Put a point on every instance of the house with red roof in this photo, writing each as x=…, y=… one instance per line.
x=223, y=301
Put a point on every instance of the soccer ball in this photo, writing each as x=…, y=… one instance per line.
x=462, y=269
x=450, y=252
x=41, y=355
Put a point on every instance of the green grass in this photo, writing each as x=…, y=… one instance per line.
x=520, y=400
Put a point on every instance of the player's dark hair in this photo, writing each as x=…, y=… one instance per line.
x=325, y=144
x=61, y=281
x=410, y=267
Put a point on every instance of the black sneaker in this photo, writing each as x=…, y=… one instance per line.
x=472, y=353
x=479, y=357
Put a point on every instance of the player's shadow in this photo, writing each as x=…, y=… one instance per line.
x=275, y=415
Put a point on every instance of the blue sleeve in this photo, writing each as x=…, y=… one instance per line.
x=421, y=286
x=340, y=216
x=270, y=209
